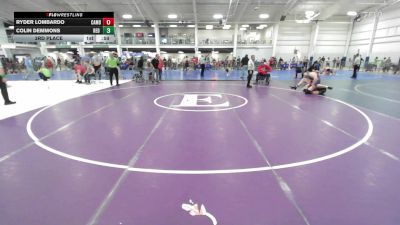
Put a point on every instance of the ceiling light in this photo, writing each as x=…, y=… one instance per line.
x=180, y=52
x=309, y=14
x=172, y=16
x=263, y=16
x=191, y=25
x=137, y=25
x=352, y=13
x=218, y=16
x=209, y=27
x=11, y=27
x=127, y=16
x=173, y=25
x=120, y=25
x=245, y=25
x=153, y=25
x=226, y=27
x=243, y=28
x=262, y=26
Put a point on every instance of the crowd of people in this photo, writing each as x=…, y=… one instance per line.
x=29, y=65
x=95, y=66
x=381, y=65
x=26, y=64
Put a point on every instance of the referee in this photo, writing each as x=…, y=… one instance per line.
x=112, y=64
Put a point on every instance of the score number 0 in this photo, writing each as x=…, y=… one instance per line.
x=108, y=21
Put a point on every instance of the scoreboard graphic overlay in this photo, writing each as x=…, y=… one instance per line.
x=90, y=27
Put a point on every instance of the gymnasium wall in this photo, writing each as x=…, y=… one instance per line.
x=34, y=52
x=387, y=37
x=293, y=36
x=215, y=35
x=331, y=40
x=259, y=53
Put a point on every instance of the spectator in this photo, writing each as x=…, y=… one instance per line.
x=29, y=67
x=299, y=69
x=160, y=67
x=90, y=72
x=251, y=68
x=154, y=63
x=356, y=66
x=186, y=63
x=140, y=66
x=49, y=63
x=244, y=65
x=79, y=72
x=202, y=65
x=3, y=86
x=264, y=70
x=44, y=73
x=96, y=62
x=342, y=62
x=59, y=63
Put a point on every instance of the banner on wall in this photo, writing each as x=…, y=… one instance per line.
x=139, y=34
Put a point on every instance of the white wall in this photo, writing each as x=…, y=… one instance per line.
x=293, y=36
x=32, y=52
x=3, y=34
x=215, y=35
x=134, y=30
x=331, y=40
x=259, y=53
x=387, y=37
x=360, y=37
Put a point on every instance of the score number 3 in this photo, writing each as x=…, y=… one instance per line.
x=108, y=30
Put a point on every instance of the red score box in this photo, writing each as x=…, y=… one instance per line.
x=108, y=21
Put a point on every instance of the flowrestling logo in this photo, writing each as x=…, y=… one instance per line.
x=195, y=210
x=200, y=101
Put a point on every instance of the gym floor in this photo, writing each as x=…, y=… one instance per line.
x=207, y=152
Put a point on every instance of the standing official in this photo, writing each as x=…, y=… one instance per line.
x=112, y=64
